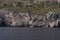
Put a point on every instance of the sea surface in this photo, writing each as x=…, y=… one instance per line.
x=27, y=33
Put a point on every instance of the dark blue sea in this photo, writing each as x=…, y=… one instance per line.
x=27, y=33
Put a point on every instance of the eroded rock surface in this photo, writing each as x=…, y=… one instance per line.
x=12, y=18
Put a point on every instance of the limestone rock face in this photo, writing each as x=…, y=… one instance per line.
x=53, y=18
x=13, y=18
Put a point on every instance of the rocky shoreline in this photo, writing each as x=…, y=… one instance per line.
x=17, y=19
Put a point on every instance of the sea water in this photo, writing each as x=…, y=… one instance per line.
x=27, y=33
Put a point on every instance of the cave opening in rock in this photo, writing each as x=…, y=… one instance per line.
x=3, y=24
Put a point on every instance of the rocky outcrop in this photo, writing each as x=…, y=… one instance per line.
x=53, y=18
x=13, y=18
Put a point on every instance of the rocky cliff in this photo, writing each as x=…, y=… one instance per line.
x=13, y=18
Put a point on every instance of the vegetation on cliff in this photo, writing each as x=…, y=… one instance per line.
x=35, y=8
